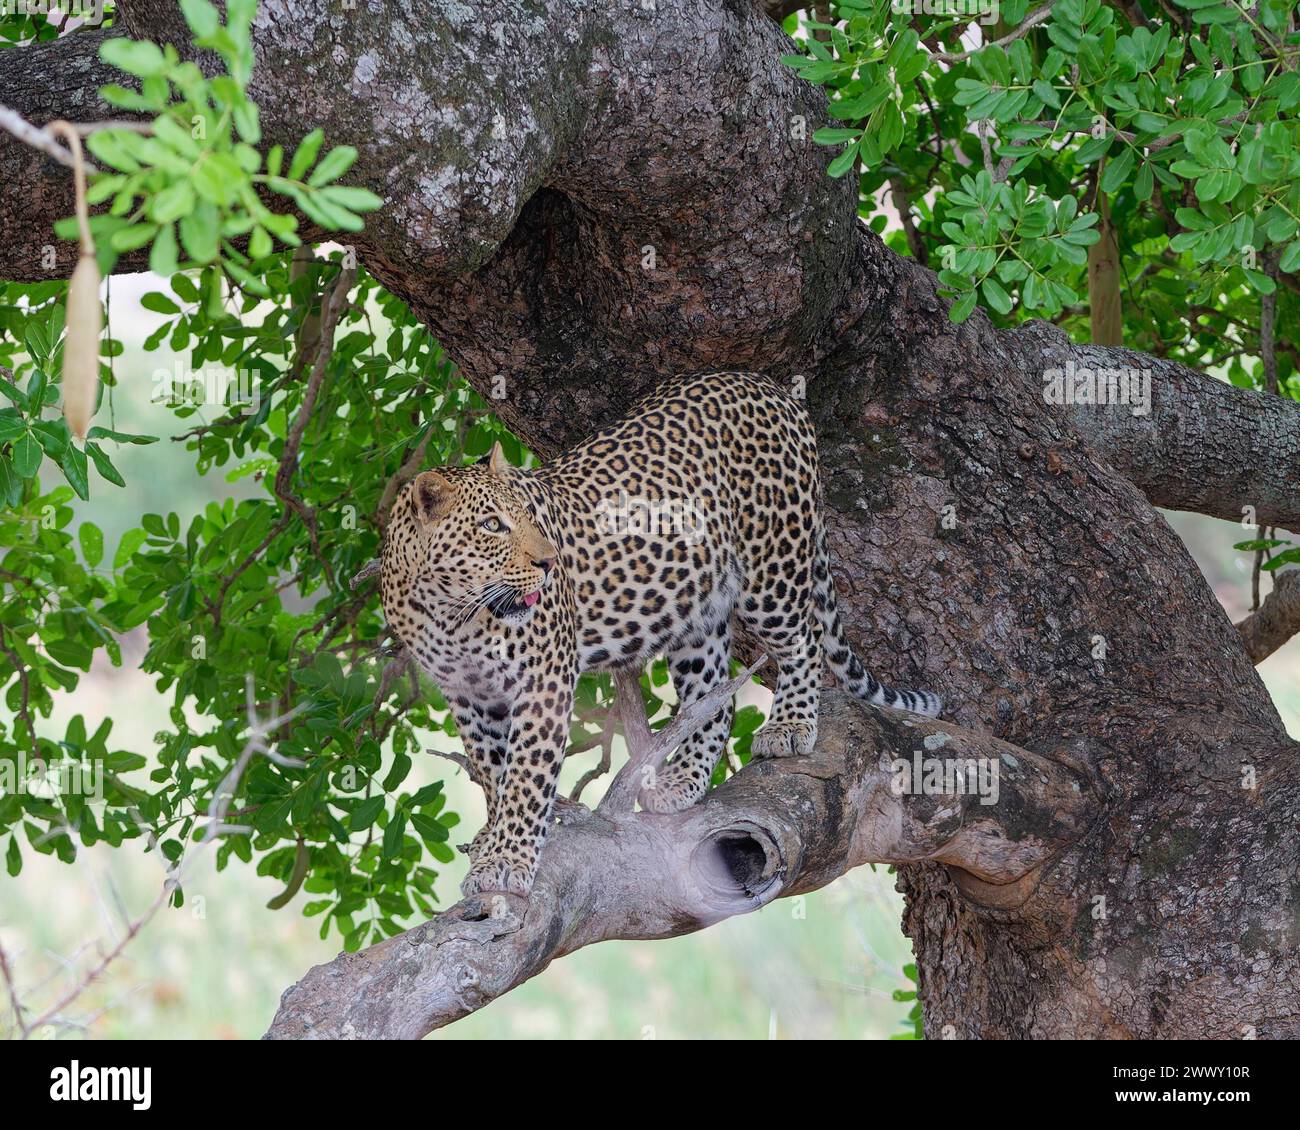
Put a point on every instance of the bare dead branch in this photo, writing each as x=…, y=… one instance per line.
x=14, y=123
x=410, y=465
x=602, y=766
x=1025, y=26
x=332, y=309
x=648, y=750
x=15, y=1004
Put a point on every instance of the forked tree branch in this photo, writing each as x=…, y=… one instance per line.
x=779, y=828
x=647, y=750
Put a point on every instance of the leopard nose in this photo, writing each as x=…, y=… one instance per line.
x=546, y=564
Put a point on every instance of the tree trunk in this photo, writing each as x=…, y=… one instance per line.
x=649, y=202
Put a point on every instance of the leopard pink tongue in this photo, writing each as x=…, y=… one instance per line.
x=531, y=598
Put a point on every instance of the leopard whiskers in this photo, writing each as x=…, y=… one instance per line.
x=498, y=588
x=462, y=607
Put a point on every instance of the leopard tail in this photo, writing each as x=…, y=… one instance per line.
x=839, y=657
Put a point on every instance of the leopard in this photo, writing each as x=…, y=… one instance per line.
x=696, y=516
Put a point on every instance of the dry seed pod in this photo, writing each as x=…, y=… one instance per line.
x=81, y=347
x=84, y=320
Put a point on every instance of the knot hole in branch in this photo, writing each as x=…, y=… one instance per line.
x=740, y=863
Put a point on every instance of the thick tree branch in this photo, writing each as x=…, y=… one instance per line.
x=1276, y=620
x=1205, y=446
x=779, y=828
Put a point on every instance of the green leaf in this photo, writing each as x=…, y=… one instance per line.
x=11, y=483
x=159, y=303
x=995, y=296
x=305, y=155
x=119, y=437
x=1286, y=557
x=69, y=653
x=365, y=814
x=844, y=162
x=164, y=254
x=74, y=469
x=200, y=233
x=1144, y=184
x=1260, y=281
x=217, y=177
x=172, y=202
x=136, y=57
x=133, y=237
x=92, y=543
x=393, y=836
x=829, y=135
x=131, y=541
x=1116, y=171
x=429, y=829
x=259, y=243
x=27, y=456
x=426, y=794
x=1260, y=543
x=960, y=310
x=335, y=163
x=104, y=465
x=397, y=774
x=201, y=16
x=354, y=199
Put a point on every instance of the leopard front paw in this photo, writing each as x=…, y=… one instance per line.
x=784, y=739
x=498, y=873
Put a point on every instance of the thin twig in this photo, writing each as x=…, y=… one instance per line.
x=14, y=1002
x=14, y=123
x=606, y=748
x=333, y=308
x=1026, y=25
x=405, y=473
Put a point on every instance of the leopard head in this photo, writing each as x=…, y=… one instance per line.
x=461, y=540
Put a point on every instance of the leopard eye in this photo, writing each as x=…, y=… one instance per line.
x=494, y=525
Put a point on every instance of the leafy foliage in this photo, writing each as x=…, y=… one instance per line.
x=1176, y=124
x=189, y=187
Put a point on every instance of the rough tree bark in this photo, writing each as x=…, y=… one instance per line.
x=535, y=157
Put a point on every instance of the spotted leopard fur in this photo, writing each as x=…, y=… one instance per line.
x=505, y=584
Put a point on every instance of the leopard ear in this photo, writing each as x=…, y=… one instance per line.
x=432, y=496
x=498, y=461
